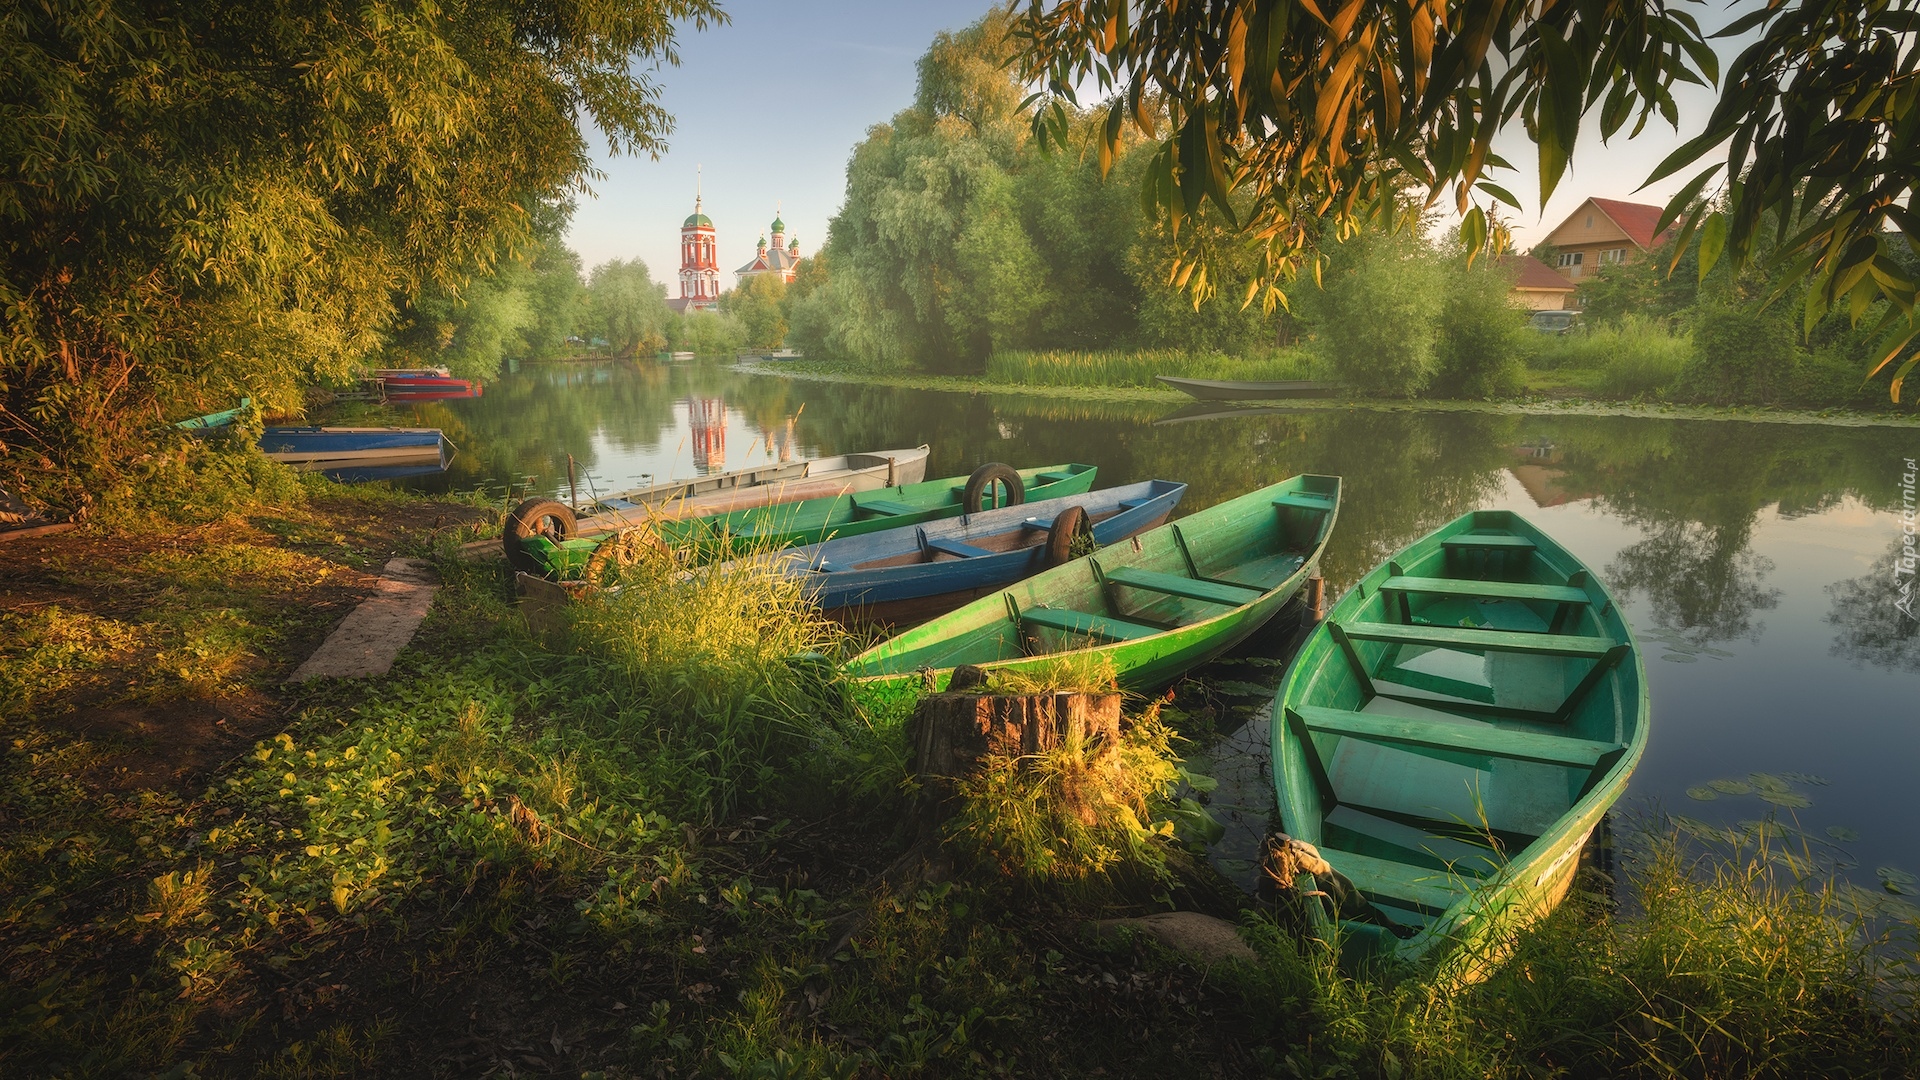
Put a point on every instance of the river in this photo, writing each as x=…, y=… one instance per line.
x=1757, y=562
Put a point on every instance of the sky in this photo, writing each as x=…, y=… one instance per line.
x=770, y=106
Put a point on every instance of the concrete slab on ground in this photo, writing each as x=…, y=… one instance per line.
x=372, y=635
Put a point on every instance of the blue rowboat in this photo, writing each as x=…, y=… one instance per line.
x=328, y=447
x=427, y=463
x=904, y=576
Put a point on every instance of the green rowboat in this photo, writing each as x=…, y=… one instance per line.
x=810, y=521
x=1451, y=735
x=1155, y=606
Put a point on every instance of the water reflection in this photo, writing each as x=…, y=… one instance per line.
x=1871, y=628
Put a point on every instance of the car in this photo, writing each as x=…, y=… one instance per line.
x=1554, y=322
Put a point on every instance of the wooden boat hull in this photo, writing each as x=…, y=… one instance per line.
x=214, y=420
x=428, y=464
x=1453, y=733
x=1218, y=390
x=433, y=395
x=1231, y=568
x=768, y=528
x=902, y=576
x=761, y=485
x=317, y=445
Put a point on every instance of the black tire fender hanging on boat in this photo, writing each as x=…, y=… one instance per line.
x=535, y=517
x=972, y=498
x=1072, y=529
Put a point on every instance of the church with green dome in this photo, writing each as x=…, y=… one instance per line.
x=778, y=258
x=699, y=262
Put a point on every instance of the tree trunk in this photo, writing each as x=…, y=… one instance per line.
x=954, y=732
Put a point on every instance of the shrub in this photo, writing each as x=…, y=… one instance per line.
x=1374, y=318
x=1741, y=356
x=1482, y=337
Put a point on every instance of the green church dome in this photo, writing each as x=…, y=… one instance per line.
x=701, y=220
x=778, y=225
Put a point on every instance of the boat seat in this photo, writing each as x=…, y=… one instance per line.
x=1212, y=592
x=1428, y=891
x=1305, y=500
x=1489, y=540
x=955, y=547
x=826, y=567
x=885, y=506
x=1133, y=504
x=1473, y=638
x=1055, y=477
x=1464, y=738
x=1079, y=622
x=1486, y=590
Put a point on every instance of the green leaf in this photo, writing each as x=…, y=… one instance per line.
x=1713, y=240
x=1499, y=192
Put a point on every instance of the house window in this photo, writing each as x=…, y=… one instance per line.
x=1589, y=221
x=1571, y=258
x=1613, y=256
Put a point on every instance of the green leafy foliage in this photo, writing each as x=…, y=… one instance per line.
x=1482, y=339
x=959, y=238
x=227, y=200
x=627, y=308
x=757, y=306
x=1375, y=319
x=1283, y=114
x=1740, y=356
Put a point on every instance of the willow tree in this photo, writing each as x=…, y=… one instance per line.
x=200, y=201
x=1333, y=109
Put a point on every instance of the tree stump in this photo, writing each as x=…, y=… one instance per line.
x=954, y=732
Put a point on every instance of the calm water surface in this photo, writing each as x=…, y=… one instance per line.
x=1756, y=562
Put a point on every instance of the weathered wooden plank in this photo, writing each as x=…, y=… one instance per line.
x=1080, y=622
x=1486, y=590
x=1190, y=588
x=1466, y=738
x=1465, y=637
x=1431, y=891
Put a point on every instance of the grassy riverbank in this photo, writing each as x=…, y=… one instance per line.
x=1141, y=398
x=651, y=844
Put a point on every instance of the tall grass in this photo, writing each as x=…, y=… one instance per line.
x=1119, y=367
x=1079, y=817
x=1732, y=966
x=1636, y=357
x=722, y=668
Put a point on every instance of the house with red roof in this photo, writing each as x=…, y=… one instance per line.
x=1535, y=285
x=1604, y=232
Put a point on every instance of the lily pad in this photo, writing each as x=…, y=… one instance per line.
x=1731, y=787
x=1704, y=794
x=1842, y=834
x=1897, y=881
x=1758, y=829
x=1792, y=800
x=1239, y=688
x=1768, y=782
